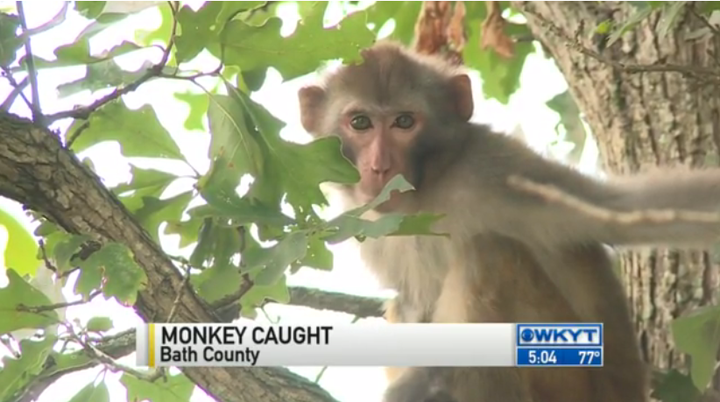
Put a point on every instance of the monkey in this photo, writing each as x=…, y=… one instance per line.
x=511, y=254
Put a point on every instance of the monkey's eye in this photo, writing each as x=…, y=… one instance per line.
x=405, y=121
x=361, y=123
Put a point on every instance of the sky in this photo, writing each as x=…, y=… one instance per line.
x=540, y=81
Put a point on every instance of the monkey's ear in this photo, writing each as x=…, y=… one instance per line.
x=462, y=94
x=311, y=99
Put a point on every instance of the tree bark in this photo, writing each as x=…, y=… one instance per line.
x=640, y=121
x=38, y=172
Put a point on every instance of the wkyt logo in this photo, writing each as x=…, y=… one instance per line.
x=559, y=334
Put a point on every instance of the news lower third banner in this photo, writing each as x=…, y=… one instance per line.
x=399, y=345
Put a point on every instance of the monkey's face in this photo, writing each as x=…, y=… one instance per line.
x=393, y=113
x=379, y=142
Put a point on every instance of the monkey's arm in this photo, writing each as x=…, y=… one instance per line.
x=556, y=204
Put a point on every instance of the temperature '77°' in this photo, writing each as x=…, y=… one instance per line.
x=586, y=356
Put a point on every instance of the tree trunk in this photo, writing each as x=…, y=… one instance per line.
x=642, y=120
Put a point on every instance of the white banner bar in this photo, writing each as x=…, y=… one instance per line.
x=400, y=345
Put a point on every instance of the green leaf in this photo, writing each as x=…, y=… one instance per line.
x=187, y=230
x=146, y=182
x=162, y=33
x=174, y=388
x=214, y=283
x=66, y=249
x=206, y=241
x=604, y=27
x=246, y=46
x=196, y=29
x=698, y=335
x=89, y=9
x=216, y=245
x=669, y=17
x=318, y=256
x=638, y=16
x=78, y=54
x=404, y=13
x=253, y=79
x=9, y=41
x=16, y=374
x=235, y=8
x=296, y=168
x=114, y=268
x=139, y=132
x=92, y=393
x=114, y=13
x=20, y=293
x=64, y=362
x=500, y=77
x=228, y=205
x=51, y=241
x=21, y=249
x=106, y=74
x=198, y=104
x=350, y=224
x=154, y=212
x=276, y=259
x=232, y=139
x=258, y=294
x=565, y=106
x=707, y=7
x=99, y=324
x=676, y=387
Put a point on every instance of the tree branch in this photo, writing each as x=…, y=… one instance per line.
x=115, y=346
x=122, y=344
x=361, y=307
x=37, y=171
x=32, y=72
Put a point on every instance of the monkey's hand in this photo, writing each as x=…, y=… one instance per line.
x=417, y=385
